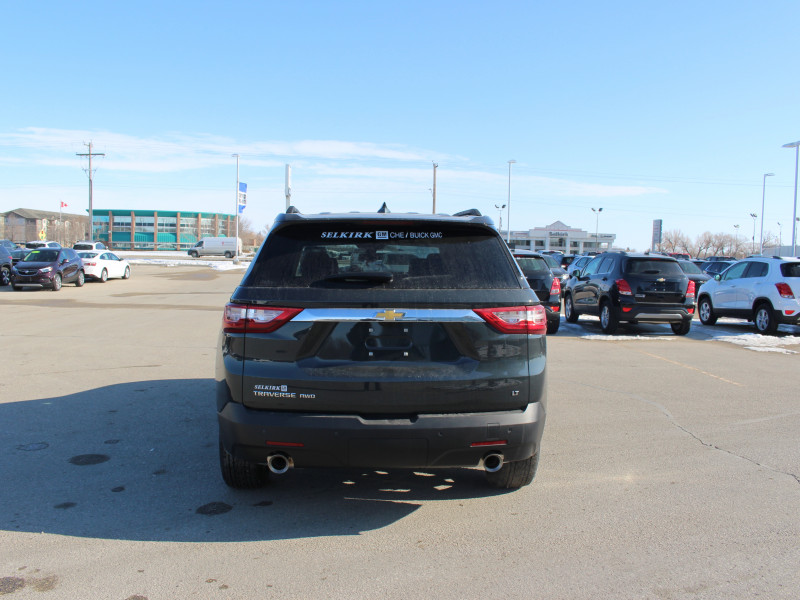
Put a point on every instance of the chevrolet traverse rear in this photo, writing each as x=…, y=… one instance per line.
x=382, y=340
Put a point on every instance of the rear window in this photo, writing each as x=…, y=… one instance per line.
x=689, y=267
x=790, y=269
x=390, y=255
x=649, y=266
x=532, y=264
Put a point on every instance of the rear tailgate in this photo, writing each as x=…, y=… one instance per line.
x=392, y=361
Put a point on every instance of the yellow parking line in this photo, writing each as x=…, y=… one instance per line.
x=691, y=368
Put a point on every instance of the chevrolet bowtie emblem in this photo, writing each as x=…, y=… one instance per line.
x=390, y=315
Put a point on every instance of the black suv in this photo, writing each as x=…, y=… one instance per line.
x=543, y=282
x=381, y=340
x=48, y=267
x=636, y=288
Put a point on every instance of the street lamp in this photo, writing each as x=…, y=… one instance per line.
x=736, y=237
x=500, y=208
x=508, y=238
x=755, y=216
x=763, y=194
x=597, y=212
x=780, y=237
x=796, y=146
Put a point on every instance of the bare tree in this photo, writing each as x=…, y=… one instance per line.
x=250, y=237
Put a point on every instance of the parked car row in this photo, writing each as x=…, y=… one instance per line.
x=33, y=244
x=52, y=267
x=657, y=288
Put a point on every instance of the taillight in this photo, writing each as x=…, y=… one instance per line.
x=515, y=319
x=555, y=287
x=89, y=264
x=784, y=290
x=690, y=290
x=241, y=318
x=623, y=288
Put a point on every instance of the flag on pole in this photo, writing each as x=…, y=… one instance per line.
x=63, y=204
x=242, y=195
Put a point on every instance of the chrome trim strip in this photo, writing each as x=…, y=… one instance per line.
x=371, y=314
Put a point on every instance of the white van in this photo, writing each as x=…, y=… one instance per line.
x=220, y=246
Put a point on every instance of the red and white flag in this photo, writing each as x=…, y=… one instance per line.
x=63, y=204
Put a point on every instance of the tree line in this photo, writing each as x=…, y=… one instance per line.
x=734, y=244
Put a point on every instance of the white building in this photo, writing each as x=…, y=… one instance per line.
x=561, y=238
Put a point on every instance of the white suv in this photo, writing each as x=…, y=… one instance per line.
x=764, y=290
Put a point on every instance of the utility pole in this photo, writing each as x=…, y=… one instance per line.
x=90, y=154
x=435, y=166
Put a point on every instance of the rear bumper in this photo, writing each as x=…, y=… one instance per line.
x=441, y=440
x=788, y=319
x=655, y=314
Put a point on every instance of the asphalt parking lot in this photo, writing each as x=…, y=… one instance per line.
x=670, y=469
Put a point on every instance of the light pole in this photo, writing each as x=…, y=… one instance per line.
x=755, y=216
x=796, y=146
x=780, y=236
x=236, y=209
x=597, y=212
x=508, y=238
x=500, y=208
x=763, y=195
x=736, y=238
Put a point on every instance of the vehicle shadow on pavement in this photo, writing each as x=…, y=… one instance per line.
x=139, y=461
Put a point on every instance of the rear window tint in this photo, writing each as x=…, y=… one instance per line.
x=390, y=255
x=649, y=266
x=790, y=269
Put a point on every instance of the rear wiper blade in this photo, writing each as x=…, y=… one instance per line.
x=376, y=276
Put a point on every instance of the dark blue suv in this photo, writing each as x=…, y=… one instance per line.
x=380, y=340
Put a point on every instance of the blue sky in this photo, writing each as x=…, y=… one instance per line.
x=668, y=111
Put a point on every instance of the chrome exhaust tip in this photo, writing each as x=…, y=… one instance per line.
x=493, y=462
x=279, y=463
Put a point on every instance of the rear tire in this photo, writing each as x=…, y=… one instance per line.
x=706, y=312
x=681, y=328
x=103, y=276
x=80, y=280
x=764, y=319
x=570, y=314
x=609, y=321
x=240, y=474
x=552, y=326
x=514, y=475
x=193, y=254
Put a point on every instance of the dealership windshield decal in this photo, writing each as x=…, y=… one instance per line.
x=382, y=235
